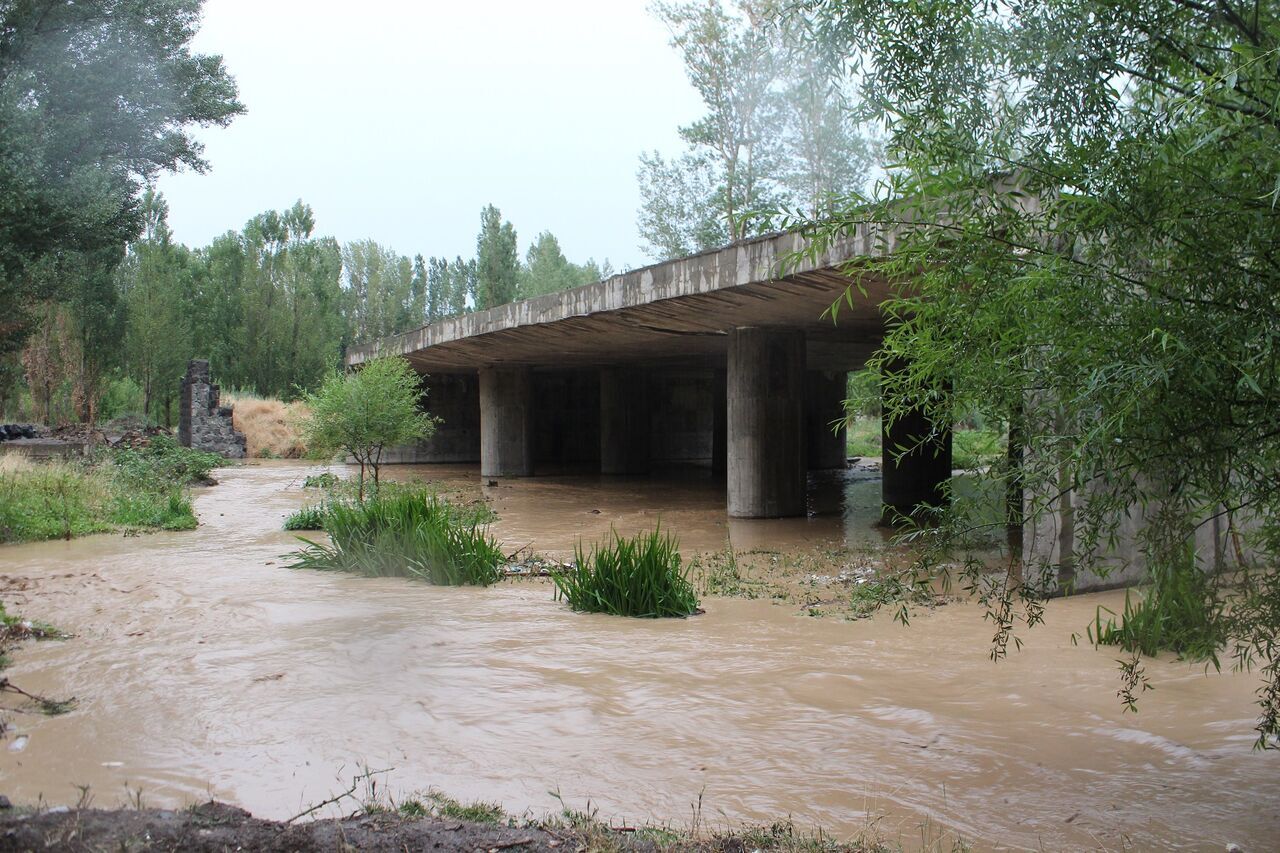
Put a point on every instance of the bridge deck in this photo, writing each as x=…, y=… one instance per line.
x=672, y=311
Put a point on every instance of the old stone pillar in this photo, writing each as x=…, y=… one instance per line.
x=506, y=422
x=766, y=464
x=624, y=421
x=824, y=404
x=918, y=476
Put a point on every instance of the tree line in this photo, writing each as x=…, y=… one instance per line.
x=273, y=306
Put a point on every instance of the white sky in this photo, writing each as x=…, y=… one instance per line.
x=398, y=121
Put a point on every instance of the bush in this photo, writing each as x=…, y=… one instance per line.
x=629, y=577
x=164, y=461
x=404, y=533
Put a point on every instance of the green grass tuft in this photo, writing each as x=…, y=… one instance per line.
x=404, y=533
x=307, y=518
x=629, y=577
x=1178, y=612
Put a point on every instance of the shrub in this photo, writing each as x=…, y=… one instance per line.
x=640, y=577
x=164, y=461
x=405, y=533
x=366, y=412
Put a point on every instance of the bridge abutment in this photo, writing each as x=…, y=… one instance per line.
x=506, y=422
x=765, y=422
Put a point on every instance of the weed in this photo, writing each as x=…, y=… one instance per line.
x=476, y=812
x=404, y=533
x=720, y=574
x=640, y=576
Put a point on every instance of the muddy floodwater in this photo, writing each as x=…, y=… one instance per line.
x=204, y=668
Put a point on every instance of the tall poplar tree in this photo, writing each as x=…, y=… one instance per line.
x=497, y=261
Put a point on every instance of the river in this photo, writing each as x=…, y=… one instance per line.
x=204, y=668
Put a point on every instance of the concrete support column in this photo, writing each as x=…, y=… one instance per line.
x=624, y=421
x=506, y=422
x=824, y=403
x=719, y=421
x=766, y=470
x=917, y=476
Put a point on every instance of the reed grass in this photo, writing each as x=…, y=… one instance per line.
x=640, y=577
x=307, y=518
x=404, y=533
x=1178, y=612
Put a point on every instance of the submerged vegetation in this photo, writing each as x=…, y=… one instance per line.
x=408, y=532
x=640, y=576
x=120, y=489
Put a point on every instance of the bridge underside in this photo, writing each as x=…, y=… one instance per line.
x=715, y=360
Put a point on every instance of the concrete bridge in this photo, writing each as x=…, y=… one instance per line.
x=724, y=358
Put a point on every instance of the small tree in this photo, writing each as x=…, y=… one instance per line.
x=365, y=412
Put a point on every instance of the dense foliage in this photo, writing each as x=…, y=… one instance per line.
x=640, y=576
x=273, y=307
x=96, y=98
x=1084, y=198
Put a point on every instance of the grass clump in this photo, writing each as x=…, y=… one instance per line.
x=307, y=518
x=327, y=480
x=639, y=577
x=404, y=533
x=1178, y=612
x=477, y=812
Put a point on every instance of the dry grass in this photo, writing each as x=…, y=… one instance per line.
x=270, y=426
x=13, y=463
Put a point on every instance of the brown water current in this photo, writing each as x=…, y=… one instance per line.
x=203, y=667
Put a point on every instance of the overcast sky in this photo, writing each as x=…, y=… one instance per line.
x=398, y=121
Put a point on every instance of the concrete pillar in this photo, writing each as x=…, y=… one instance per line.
x=824, y=403
x=765, y=383
x=918, y=476
x=719, y=419
x=506, y=422
x=624, y=421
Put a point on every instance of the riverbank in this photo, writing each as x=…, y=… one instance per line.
x=217, y=827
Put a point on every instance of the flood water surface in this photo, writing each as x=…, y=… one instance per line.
x=204, y=668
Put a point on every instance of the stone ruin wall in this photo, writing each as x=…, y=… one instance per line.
x=204, y=424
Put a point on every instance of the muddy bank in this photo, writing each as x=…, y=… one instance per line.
x=216, y=827
x=205, y=669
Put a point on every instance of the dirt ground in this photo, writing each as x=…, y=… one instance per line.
x=219, y=827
